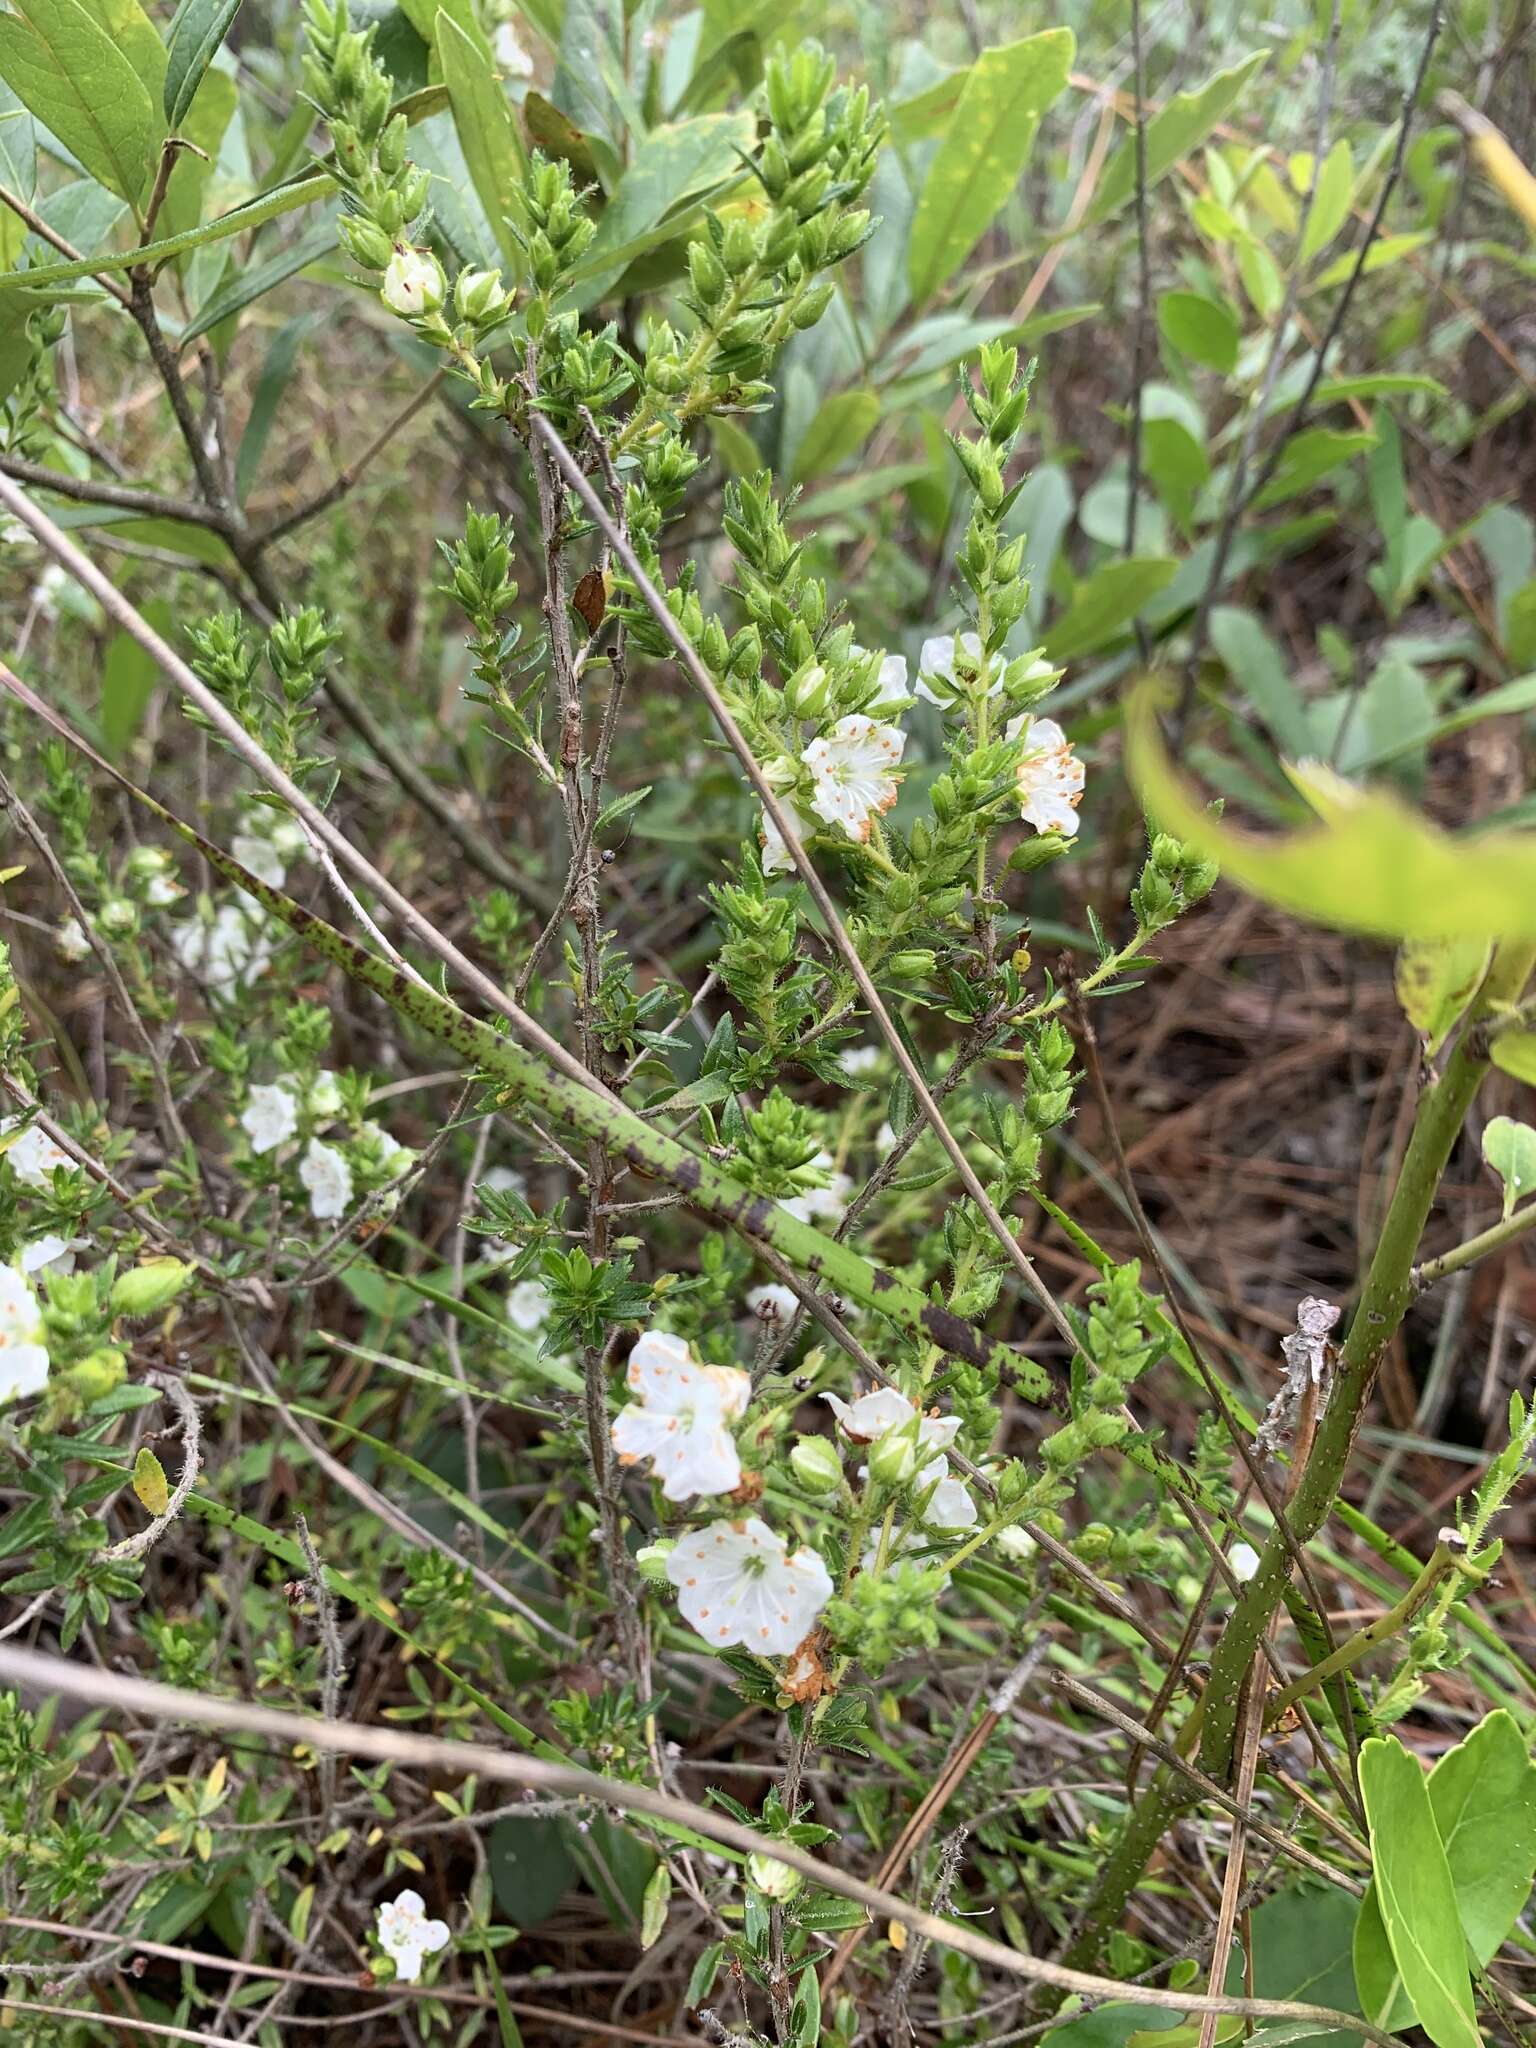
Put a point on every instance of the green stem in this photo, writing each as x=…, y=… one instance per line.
x=1493, y=1239
x=1388, y=1292
x=1364, y=1640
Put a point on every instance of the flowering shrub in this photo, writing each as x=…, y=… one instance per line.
x=552, y=1070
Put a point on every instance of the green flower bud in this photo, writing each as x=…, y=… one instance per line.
x=815, y=1463
x=145, y=1290
x=807, y=693
x=413, y=283
x=651, y=1562
x=97, y=1373
x=893, y=1458
x=480, y=296
x=775, y=1880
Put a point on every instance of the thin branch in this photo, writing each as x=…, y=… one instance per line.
x=346, y=478
x=699, y=675
x=86, y=491
x=144, y=1540
x=1493, y=1239
x=39, y=1674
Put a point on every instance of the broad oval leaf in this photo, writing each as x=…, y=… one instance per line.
x=1106, y=602
x=985, y=147
x=1416, y=1894
x=197, y=29
x=1199, y=328
x=75, y=79
x=1370, y=864
x=1510, y=1149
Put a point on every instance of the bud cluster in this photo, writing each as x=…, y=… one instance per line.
x=352, y=91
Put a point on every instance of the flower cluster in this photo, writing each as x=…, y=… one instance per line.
x=682, y=1419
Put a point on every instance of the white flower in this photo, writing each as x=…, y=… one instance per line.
x=851, y=767
x=406, y=1935
x=1016, y=1542
x=413, y=283
x=681, y=1422
x=270, y=1117
x=885, y=1139
x=828, y=1204
x=1050, y=776
x=162, y=890
x=890, y=681
x=860, y=1059
x=528, y=1306
x=260, y=856
x=71, y=940
x=736, y=1584
x=773, y=1304
x=1244, y=1562
x=326, y=1174
x=324, y=1099
x=513, y=59
x=938, y=659
x=867, y=1418
x=50, y=1254
x=23, y=1354
x=33, y=1156
x=228, y=953
x=777, y=859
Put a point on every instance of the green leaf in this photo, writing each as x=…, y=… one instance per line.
x=705, y=1970
x=1416, y=1894
x=1106, y=602
x=840, y=428
x=78, y=82
x=805, y=2014
x=18, y=146
x=487, y=133
x=1520, y=625
x=1514, y=1052
x=674, y=163
x=150, y=1484
x=271, y=382
x=1435, y=979
x=985, y=148
x=1483, y=1794
x=128, y=679
x=301, y=192
x=1385, y=250
x=1199, y=328
x=1308, y=457
x=1510, y=1149
x=197, y=29
x=253, y=281
x=1261, y=672
x=531, y=1868
x=1182, y=126
x=1330, y=202
x=1335, y=390
x=1370, y=864
x=653, y=1905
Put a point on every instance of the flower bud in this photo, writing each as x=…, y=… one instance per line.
x=413, y=283
x=815, y=1463
x=97, y=1373
x=480, y=296
x=145, y=1290
x=1036, y=852
x=807, y=692
x=651, y=1562
x=775, y=1880
x=893, y=1458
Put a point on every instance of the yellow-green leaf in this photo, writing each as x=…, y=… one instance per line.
x=1515, y=1053
x=1181, y=126
x=985, y=147
x=1435, y=980
x=1416, y=1894
x=150, y=1483
x=1370, y=864
x=1330, y=201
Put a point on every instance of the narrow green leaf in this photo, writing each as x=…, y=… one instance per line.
x=1105, y=603
x=1330, y=202
x=653, y=1905
x=985, y=148
x=674, y=163
x=840, y=428
x=271, y=382
x=1384, y=251
x=64, y=67
x=197, y=29
x=1416, y=1894
x=1180, y=127
x=128, y=679
x=252, y=282
x=1261, y=672
x=487, y=134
